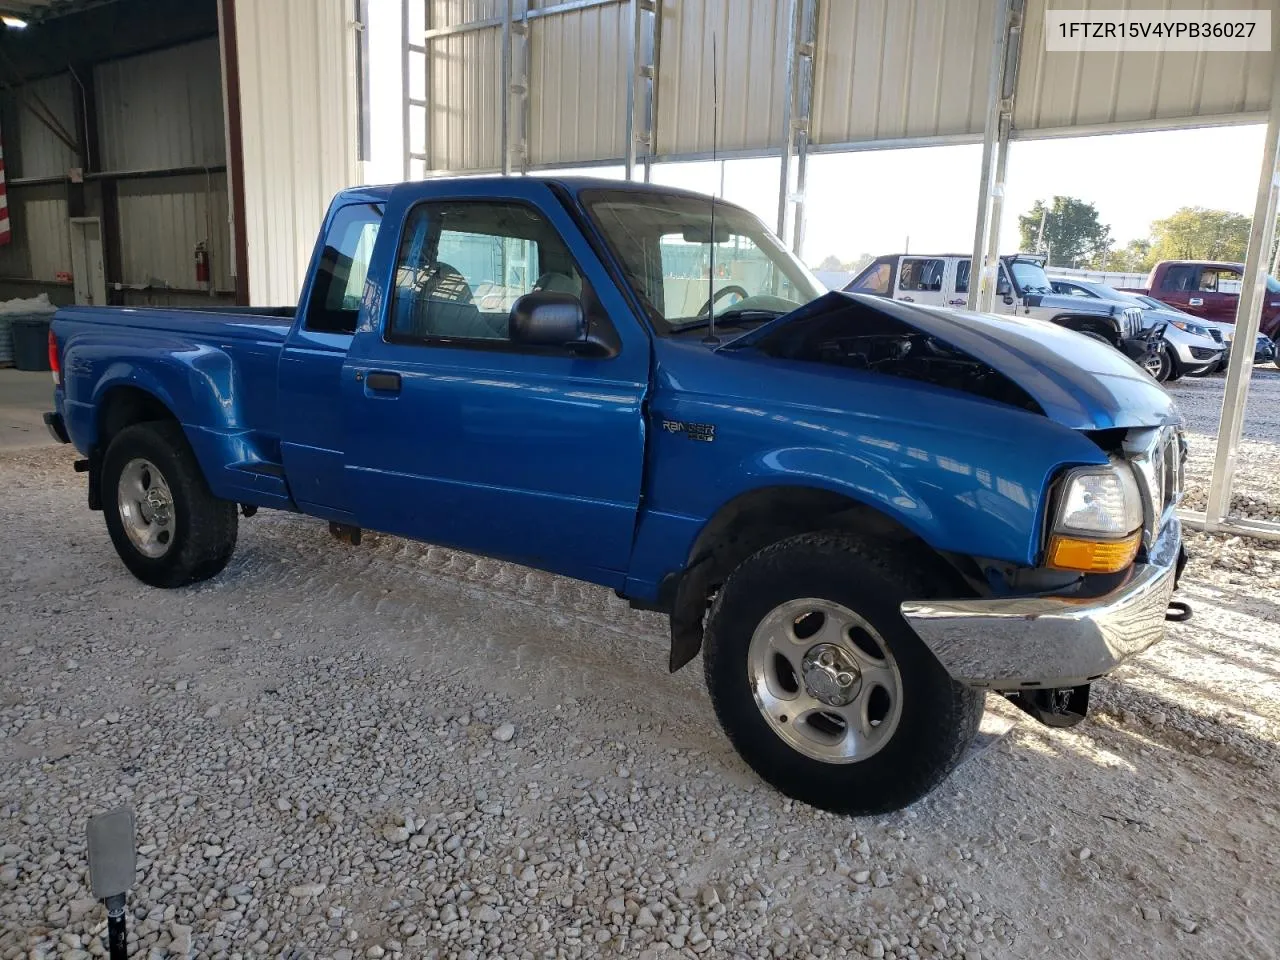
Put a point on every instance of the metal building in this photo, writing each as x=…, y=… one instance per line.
x=172, y=153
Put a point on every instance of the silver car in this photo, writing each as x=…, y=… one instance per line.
x=1190, y=350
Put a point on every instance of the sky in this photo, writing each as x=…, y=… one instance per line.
x=926, y=199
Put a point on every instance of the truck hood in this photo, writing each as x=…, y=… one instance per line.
x=1077, y=381
x=1088, y=305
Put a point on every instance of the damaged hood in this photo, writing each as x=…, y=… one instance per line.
x=1078, y=382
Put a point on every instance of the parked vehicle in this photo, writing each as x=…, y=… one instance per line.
x=1189, y=348
x=1022, y=289
x=1209, y=289
x=863, y=513
x=1264, y=349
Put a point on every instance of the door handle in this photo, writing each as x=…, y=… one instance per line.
x=387, y=382
x=1196, y=302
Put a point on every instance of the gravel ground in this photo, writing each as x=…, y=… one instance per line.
x=401, y=750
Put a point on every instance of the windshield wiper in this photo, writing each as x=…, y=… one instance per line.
x=732, y=318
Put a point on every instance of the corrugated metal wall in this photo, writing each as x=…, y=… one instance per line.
x=751, y=40
x=297, y=103
x=465, y=132
x=890, y=69
x=1063, y=89
x=40, y=153
x=885, y=70
x=41, y=245
x=578, y=84
x=162, y=110
x=161, y=221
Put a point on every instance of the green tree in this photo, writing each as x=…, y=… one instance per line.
x=1072, y=233
x=1198, y=233
x=1133, y=257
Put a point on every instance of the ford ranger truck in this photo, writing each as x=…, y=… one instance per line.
x=863, y=513
x=1022, y=289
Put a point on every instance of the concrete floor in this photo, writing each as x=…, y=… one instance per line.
x=24, y=398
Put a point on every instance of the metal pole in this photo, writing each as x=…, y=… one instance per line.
x=982, y=273
x=788, y=98
x=655, y=66
x=633, y=73
x=987, y=295
x=404, y=81
x=505, y=135
x=802, y=164
x=1249, y=308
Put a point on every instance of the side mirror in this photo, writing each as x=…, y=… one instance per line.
x=547, y=319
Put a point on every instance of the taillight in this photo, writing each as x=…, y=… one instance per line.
x=54, y=366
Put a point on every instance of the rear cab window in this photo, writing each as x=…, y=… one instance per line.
x=338, y=288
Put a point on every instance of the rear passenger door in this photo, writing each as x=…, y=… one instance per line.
x=920, y=280
x=1180, y=288
x=460, y=435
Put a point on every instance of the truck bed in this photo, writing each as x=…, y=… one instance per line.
x=216, y=370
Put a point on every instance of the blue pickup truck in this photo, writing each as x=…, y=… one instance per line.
x=863, y=513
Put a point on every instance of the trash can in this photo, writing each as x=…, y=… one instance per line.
x=30, y=342
x=6, y=342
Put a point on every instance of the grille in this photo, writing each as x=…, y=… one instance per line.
x=1203, y=353
x=1216, y=334
x=1157, y=458
x=1132, y=322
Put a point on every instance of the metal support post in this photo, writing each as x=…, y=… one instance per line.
x=1001, y=84
x=504, y=136
x=803, y=111
x=788, y=133
x=1249, y=309
x=642, y=85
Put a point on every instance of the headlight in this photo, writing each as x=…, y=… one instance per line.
x=1097, y=520
x=1190, y=327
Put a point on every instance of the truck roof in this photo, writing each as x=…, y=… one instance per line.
x=382, y=192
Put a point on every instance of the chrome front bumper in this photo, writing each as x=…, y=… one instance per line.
x=1018, y=643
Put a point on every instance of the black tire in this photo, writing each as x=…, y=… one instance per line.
x=1094, y=335
x=1167, y=369
x=203, y=533
x=938, y=719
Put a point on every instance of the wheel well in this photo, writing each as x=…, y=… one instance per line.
x=1087, y=325
x=120, y=407
x=755, y=520
x=123, y=407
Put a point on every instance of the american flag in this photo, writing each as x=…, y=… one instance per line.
x=6, y=234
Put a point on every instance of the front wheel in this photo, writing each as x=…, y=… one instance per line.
x=821, y=685
x=1160, y=365
x=165, y=524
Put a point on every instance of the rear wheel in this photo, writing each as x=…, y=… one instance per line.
x=821, y=685
x=165, y=524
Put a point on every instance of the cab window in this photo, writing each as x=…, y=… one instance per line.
x=962, y=275
x=334, y=305
x=1219, y=280
x=875, y=279
x=463, y=265
x=920, y=274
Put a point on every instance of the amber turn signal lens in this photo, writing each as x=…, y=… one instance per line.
x=1093, y=556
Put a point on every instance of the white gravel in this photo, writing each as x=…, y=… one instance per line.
x=397, y=750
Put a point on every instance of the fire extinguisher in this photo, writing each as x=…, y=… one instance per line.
x=202, y=262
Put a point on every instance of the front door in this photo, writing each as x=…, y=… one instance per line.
x=458, y=435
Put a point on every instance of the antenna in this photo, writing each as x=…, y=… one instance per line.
x=711, y=339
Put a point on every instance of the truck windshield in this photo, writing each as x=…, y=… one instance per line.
x=1030, y=277
x=665, y=242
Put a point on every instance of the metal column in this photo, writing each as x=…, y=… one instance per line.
x=416, y=99
x=642, y=85
x=797, y=108
x=1002, y=82
x=1248, y=316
